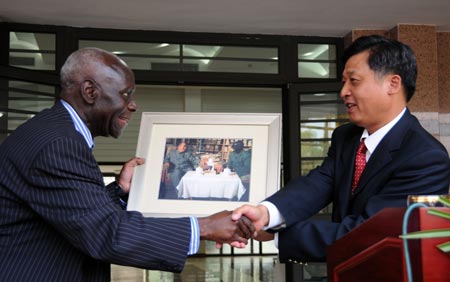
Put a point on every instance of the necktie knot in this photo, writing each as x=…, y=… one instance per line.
x=362, y=149
x=360, y=163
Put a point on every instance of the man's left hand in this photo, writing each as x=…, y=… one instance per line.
x=126, y=173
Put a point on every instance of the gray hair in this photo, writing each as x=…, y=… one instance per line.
x=77, y=64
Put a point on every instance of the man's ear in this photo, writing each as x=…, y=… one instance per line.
x=88, y=91
x=395, y=84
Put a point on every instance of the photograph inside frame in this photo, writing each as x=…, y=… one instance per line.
x=216, y=169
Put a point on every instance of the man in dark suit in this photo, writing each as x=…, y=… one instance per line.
x=401, y=158
x=57, y=220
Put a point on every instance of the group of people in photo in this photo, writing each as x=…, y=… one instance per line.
x=187, y=154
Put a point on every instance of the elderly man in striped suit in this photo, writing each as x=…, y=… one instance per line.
x=58, y=222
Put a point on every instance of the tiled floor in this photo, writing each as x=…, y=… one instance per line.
x=210, y=269
x=219, y=269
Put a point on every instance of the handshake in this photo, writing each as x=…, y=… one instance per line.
x=235, y=227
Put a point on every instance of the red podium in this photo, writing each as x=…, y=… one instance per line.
x=374, y=252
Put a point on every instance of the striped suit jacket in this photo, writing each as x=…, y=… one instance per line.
x=57, y=220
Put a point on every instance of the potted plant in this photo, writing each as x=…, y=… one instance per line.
x=444, y=201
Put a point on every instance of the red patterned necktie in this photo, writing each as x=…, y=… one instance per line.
x=360, y=163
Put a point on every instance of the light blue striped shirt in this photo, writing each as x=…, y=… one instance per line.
x=81, y=127
x=195, y=236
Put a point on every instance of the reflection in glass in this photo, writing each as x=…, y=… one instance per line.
x=332, y=97
x=308, y=165
x=261, y=53
x=317, y=61
x=316, y=130
x=315, y=52
x=141, y=56
x=25, y=99
x=320, y=114
x=317, y=70
x=32, y=50
x=315, y=148
x=237, y=66
x=192, y=58
x=326, y=107
x=16, y=119
x=232, y=58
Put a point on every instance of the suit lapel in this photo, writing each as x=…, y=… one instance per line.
x=383, y=153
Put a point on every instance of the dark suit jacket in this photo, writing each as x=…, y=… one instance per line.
x=57, y=220
x=407, y=161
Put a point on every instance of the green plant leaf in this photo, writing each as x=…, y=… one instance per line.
x=445, y=247
x=444, y=200
x=432, y=233
x=439, y=213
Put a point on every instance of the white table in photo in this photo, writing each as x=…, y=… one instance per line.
x=210, y=185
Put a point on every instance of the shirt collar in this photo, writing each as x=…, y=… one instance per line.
x=80, y=126
x=375, y=138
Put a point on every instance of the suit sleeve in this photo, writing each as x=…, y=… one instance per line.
x=70, y=195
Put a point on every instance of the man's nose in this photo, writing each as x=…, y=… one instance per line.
x=132, y=106
x=344, y=90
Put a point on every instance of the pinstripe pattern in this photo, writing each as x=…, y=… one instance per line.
x=57, y=221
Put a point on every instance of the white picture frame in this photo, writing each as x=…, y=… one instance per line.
x=156, y=127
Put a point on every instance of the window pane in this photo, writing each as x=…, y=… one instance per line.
x=241, y=100
x=156, y=64
x=314, y=148
x=133, y=48
x=317, y=61
x=316, y=70
x=32, y=50
x=141, y=56
x=16, y=119
x=307, y=165
x=320, y=114
x=239, y=66
x=317, y=52
x=209, y=51
x=331, y=98
x=27, y=96
x=317, y=129
x=230, y=59
x=195, y=58
x=25, y=99
x=321, y=106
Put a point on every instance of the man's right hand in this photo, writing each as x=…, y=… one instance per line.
x=220, y=228
x=259, y=215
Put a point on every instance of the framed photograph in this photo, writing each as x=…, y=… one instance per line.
x=202, y=163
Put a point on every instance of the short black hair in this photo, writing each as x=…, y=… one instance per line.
x=179, y=142
x=387, y=56
x=238, y=143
